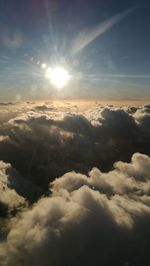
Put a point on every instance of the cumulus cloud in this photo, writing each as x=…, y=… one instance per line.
x=95, y=219
x=142, y=116
x=74, y=185
x=45, y=141
x=10, y=200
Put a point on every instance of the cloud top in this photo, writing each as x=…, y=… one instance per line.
x=74, y=185
x=86, y=218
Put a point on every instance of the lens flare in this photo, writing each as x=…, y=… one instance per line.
x=44, y=66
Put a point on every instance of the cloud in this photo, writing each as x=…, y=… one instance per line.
x=102, y=76
x=95, y=219
x=44, y=144
x=6, y=103
x=87, y=36
x=74, y=185
x=142, y=116
x=10, y=200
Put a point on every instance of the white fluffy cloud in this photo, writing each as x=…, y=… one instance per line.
x=85, y=218
x=10, y=200
x=45, y=141
x=80, y=194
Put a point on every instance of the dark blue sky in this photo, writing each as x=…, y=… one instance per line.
x=115, y=64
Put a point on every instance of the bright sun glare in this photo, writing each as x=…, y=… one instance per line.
x=58, y=76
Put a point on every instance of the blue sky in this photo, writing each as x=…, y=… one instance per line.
x=103, y=44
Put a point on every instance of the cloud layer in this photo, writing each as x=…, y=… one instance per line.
x=46, y=141
x=74, y=185
x=99, y=219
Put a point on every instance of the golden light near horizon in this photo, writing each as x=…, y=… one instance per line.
x=58, y=76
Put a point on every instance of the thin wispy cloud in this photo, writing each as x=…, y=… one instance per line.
x=120, y=78
x=101, y=76
x=87, y=36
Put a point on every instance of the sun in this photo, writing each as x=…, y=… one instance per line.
x=58, y=76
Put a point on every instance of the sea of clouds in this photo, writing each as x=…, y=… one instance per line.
x=74, y=185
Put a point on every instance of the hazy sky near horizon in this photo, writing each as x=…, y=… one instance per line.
x=104, y=45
